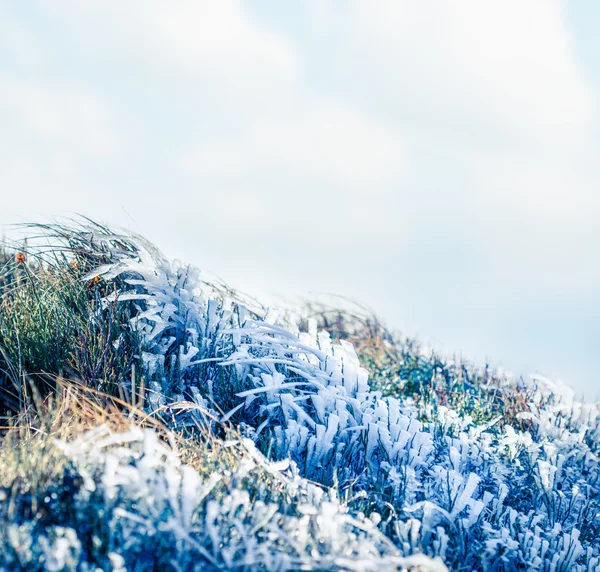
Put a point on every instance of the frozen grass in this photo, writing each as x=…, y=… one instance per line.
x=400, y=366
x=309, y=464
x=84, y=487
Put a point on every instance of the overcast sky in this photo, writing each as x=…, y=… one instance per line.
x=435, y=160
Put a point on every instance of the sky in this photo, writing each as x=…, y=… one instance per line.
x=436, y=161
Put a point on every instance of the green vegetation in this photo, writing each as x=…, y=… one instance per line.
x=399, y=367
x=55, y=322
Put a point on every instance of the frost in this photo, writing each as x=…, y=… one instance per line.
x=319, y=450
x=153, y=504
x=509, y=491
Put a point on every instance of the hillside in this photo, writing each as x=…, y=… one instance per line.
x=155, y=419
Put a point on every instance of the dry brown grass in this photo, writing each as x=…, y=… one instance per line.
x=31, y=461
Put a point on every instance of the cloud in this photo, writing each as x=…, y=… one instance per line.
x=497, y=114
x=192, y=49
x=59, y=115
x=323, y=140
x=241, y=83
x=59, y=141
x=509, y=67
x=17, y=41
x=553, y=189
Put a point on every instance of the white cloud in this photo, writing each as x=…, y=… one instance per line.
x=59, y=115
x=548, y=190
x=189, y=48
x=199, y=51
x=18, y=40
x=505, y=66
x=41, y=107
x=322, y=140
x=497, y=88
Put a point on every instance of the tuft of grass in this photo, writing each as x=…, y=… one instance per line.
x=399, y=367
x=55, y=322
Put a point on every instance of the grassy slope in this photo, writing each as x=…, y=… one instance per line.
x=57, y=322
